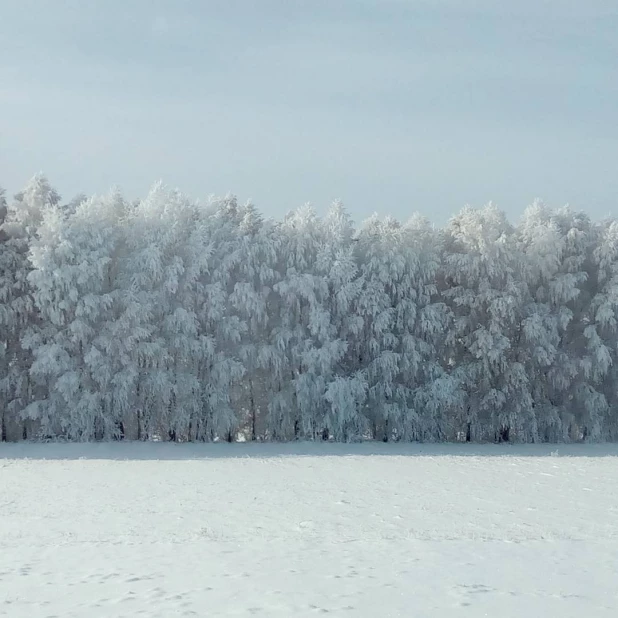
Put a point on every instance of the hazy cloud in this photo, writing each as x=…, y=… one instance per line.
x=391, y=105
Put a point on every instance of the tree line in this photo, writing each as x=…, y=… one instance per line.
x=171, y=319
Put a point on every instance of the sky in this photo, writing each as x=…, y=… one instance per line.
x=392, y=106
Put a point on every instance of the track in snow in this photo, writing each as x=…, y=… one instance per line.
x=308, y=530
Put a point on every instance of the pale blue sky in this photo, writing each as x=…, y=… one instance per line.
x=393, y=106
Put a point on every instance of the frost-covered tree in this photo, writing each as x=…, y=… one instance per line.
x=601, y=335
x=424, y=321
x=5, y=319
x=379, y=350
x=557, y=245
x=246, y=275
x=74, y=261
x=486, y=294
x=20, y=319
x=164, y=318
x=220, y=368
x=297, y=395
x=404, y=326
x=167, y=254
x=335, y=326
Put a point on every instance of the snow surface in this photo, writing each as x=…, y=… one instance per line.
x=308, y=530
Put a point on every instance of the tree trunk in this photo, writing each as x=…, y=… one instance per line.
x=253, y=412
x=503, y=434
x=139, y=413
x=386, y=436
x=139, y=425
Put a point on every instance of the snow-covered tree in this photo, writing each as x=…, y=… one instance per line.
x=164, y=318
x=19, y=319
x=297, y=395
x=5, y=319
x=74, y=260
x=246, y=275
x=424, y=321
x=220, y=368
x=486, y=294
x=404, y=326
x=557, y=246
x=601, y=334
x=161, y=277
x=335, y=326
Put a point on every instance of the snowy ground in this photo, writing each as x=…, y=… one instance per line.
x=300, y=530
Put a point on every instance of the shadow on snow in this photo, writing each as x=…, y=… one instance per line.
x=167, y=451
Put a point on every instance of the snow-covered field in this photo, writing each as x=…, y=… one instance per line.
x=304, y=530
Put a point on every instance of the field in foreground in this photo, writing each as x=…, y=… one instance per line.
x=163, y=530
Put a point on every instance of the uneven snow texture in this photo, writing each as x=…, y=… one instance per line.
x=163, y=530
